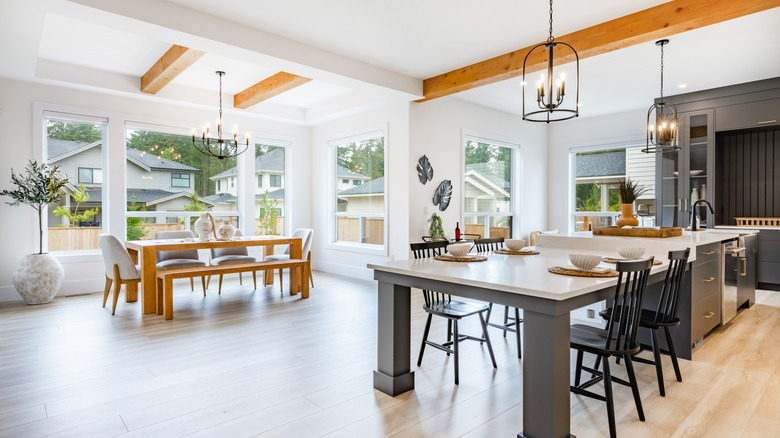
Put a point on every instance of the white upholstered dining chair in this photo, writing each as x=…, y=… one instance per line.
x=230, y=256
x=306, y=235
x=120, y=268
x=186, y=258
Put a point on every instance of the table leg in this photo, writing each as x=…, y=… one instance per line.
x=149, y=279
x=393, y=375
x=131, y=289
x=296, y=253
x=268, y=273
x=546, y=410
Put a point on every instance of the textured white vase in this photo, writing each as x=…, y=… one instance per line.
x=203, y=227
x=38, y=278
x=226, y=231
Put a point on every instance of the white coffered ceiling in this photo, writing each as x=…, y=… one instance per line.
x=356, y=50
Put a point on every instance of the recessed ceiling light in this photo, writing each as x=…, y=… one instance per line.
x=682, y=86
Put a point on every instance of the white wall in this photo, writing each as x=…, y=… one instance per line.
x=437, y=132
x=18, y=225
x=395, y=118
x=616, y=129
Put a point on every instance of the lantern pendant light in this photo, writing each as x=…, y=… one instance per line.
x=551, y=107
x=662, y=126
x=218, y=147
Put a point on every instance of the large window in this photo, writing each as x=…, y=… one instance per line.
x=487, y=198
x=170, y=183
x=596, y=171
x=271, y=203
x=360, y=208
x=75, y=145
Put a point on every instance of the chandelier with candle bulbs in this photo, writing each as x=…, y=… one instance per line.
x=662, y=123
x=218, y=147
x=550, y=92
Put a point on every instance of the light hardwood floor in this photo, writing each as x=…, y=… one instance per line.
x=258, y=363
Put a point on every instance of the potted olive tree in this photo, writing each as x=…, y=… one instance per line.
x=39, y=276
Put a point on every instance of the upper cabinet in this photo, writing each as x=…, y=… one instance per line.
x=689, y=174
x=686, y=176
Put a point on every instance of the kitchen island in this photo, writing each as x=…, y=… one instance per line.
x=701, y=307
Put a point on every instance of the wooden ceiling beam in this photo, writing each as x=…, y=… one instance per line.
x=650, y=24
x=268, y=88
x=171, y=64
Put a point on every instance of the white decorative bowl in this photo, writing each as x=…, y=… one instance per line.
x=630, y=253
x=459, y=249
x=514, y=244
x=584, y=261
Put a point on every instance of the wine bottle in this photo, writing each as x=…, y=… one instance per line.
x=457, y=231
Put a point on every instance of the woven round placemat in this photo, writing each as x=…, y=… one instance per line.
x=468, y=258
x=608, y=272
x=511, y=252
x=614, y=260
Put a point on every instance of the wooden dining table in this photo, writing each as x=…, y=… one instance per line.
x=512, y=280
x=143, y=252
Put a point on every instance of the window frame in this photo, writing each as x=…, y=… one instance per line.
x=332, y=143
x=180, y=174
x=515, y=201
x=288, y=144
x=92, y=175
x=272, y=177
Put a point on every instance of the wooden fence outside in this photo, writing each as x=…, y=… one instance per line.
x=504, y=232
x=349, y=230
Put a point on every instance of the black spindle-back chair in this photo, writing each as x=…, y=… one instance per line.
x=441, y=304
x=619, y=339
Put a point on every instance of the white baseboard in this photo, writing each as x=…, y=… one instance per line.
x=361, y=273
x=71, y=287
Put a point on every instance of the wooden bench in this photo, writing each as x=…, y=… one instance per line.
x=165, y=278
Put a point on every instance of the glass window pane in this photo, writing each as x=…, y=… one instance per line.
x=488, y=178
x=167, y=175
x=75, y=221
x=362, y=162
x=587, y=197
x=270, y=205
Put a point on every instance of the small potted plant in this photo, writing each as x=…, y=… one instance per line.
x=39, y=276
x=628, y=191
x=435, y=229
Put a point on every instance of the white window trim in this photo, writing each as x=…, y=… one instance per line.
x=364, y=248
x=516, y=179
x=41, y=112
x=626, y=143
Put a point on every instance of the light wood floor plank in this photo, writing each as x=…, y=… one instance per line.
x=262, y=363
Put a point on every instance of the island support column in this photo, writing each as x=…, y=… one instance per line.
x=546, y=407
x=393, y=375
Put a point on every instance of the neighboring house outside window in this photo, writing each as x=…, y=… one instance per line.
x=487, y=198
x=360, y=211
x=90, y=176
x=276, y=180
x=180, y=180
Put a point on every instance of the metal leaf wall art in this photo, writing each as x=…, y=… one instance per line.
x=424, y=170
x=443, y=195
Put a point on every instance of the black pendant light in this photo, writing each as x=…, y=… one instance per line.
x=551, y=107
x=662, y=126
x=218, y=147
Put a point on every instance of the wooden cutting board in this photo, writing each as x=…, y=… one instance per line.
x=638, y=232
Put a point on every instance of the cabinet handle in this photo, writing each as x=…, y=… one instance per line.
x=709, y=279
x=767, y=122
x=709, y=315
x=709, y=252
x=744, y=267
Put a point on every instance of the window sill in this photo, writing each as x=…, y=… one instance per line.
x=65, y=257
x=362, y=248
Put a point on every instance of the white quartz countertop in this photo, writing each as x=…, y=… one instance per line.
x=658, y=247
x=744, y=230
x=522, y=274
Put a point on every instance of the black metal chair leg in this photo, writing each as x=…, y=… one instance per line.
x=673, y=354
x=634, y=387
x=449, y=331
x=425, y=338
x=608, y=396
x=489, y=312
x=596, y=365
x=487, y=340
x=506, y=318
x=455, y=349
x=517, y=333
x=578, y=373
x=659, y=371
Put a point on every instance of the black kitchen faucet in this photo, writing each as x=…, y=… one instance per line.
x=693, y=212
